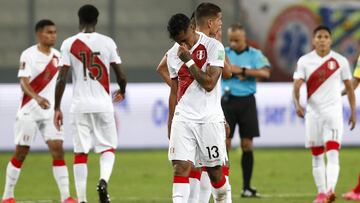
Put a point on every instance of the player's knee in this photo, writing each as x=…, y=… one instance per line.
x=215, y=173
x=246, y=145
x=21, y=153
x=181, y=168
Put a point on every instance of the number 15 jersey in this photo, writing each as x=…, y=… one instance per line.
x=90, y=55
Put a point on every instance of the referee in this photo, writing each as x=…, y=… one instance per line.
x=238, y=101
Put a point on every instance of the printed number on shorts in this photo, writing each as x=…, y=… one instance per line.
x=335, y=134
x=95, y=71
x=213, y=152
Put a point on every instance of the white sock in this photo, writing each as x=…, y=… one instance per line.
x=332, y=169
x=181, y=189
x=80, y=174
x=12, y=176
x=228, y=192
x=319, y=172
x=205, y=188
x=107, y=160
x=194, y=190
x=219, y=191
x=61, y=176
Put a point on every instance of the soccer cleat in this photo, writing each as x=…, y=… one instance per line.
x=320, y=198
x=249, y=193
x=9, y=200
x=351, y=195
x=69, y=200
x=330, y=197
x=102, y=191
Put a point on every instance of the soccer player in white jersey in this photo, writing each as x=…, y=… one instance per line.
x=197, y=133
x=324, y=70
x=37, y=74
x=209, y=22
x=90, y=54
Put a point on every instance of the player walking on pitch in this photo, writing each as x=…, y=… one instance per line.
x=37, y=73
x=90, y=54
x=323, y=70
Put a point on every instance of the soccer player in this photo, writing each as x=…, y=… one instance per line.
x=209, y=21
x=90, y=54
x=239, y=103
x=197, y=133
x=354, y=194
x=323, y=70
x=37, y=74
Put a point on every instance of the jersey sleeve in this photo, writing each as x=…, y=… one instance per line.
x=216, y=54
x=25, y=65
x=260, y=60
x=300, y=70
x=65, y=55
x=114, y=53
x=345, y=70
x=170, y=64
x=357, y=69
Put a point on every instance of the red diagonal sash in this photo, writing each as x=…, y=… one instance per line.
x=41, y=81
x=320, y=75
x=79, y=47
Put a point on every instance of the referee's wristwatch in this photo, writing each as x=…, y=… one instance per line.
x=243, y=72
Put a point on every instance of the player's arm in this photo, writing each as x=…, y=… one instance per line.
x=163, y=71
x=121, y=81
x=227, y=72
x=351, y=97
x=28, y=90
x=261, y=73
x=296, y=97
x=59, y=91
x=172, y=102
x=355, y=84
x=207, y=79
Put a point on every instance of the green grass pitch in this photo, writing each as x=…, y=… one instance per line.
x=281, y=175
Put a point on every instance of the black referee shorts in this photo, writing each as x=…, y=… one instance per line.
x=241, y=111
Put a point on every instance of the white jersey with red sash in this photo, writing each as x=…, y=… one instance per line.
x=195, y=104
x=42, y=71
x=90, y=56
x=324, y=77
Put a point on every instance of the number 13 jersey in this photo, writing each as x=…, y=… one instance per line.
x=90, y=55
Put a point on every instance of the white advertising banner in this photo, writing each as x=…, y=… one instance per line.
x=142, y=117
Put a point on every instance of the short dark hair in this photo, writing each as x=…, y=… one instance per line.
x=43, y=23
x=88, y=14
x=321, y=27
x=206, y=10
x=178, y=23
x=236, y=26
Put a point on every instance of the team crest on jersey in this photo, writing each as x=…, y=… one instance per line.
x=22, y=66
x=200, y=54
x=331, y=65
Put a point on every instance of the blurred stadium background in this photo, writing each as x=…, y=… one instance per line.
x=282, y=29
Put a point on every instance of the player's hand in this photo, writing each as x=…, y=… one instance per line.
x=118, y=96
x=352, y=121
x=183, y=53
x=300, y=111
x=43, y=103
x=241, y=77
x=58, y=119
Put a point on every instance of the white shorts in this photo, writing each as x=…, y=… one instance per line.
x=26, y=129
x=93, y=129
x=201, y=143
x=324, y=128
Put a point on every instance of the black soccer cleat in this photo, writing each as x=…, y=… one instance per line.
x=102, y=191
x=250, y=193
